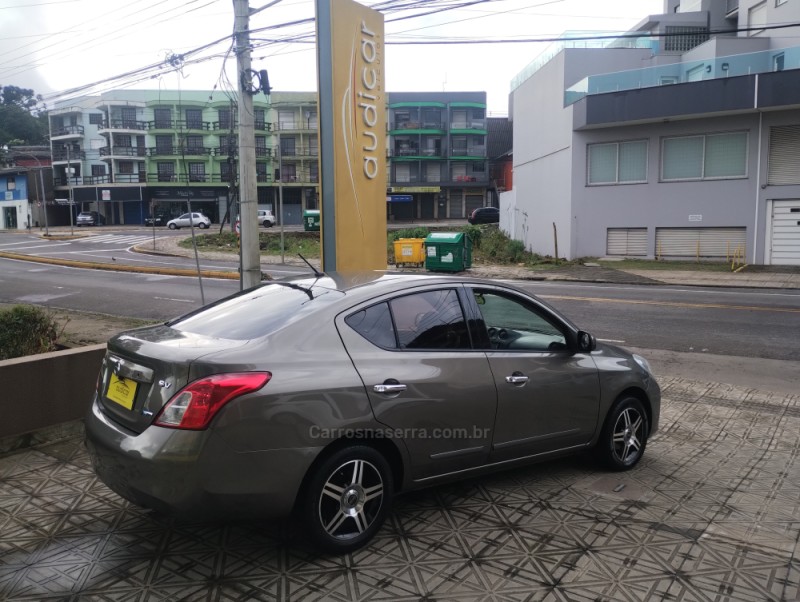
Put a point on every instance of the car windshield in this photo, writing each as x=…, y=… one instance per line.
x=254, y=313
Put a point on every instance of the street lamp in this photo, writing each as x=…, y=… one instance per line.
x=43, y=198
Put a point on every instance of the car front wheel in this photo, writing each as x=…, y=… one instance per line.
x=624, y=435
x=203, y=225
x=267, y=223
x=347, y=499
x=172, y=226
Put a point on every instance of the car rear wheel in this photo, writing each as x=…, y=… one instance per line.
x=624, y=435
x=172, y=226
x=347, y=499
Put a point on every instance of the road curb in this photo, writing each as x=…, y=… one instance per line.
x=120, y=268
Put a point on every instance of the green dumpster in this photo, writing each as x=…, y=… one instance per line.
x=311, y=220
x=448, y=252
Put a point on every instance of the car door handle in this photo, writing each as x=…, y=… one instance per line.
x=389, y=389
x=518, y=378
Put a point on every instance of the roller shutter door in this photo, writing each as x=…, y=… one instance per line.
x=626, y=241
x=784, y=155
x=711, y=243
x=473, y=201
x=785, y=247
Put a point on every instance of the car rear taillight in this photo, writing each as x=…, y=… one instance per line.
x=194, y=406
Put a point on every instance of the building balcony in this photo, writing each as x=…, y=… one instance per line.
x=161, y=124
x=420, y=126
x=471, y=179
x=299, y=151
x=62, y=156
x=66, y=132
x=476, y=152
x=724, y=67
x=302, y=177
x=298, y=125
x=65, y=181
x=473, y=125
x=191, y=124
x=416, y=153
x=125, y=125
x=129, y=178
x=262, y=126
x=224, y=125
x=122, y=151
x=182, y=178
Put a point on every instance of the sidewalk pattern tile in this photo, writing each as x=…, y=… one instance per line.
x=711, y=513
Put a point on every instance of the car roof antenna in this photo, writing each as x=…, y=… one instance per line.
x=317, y=273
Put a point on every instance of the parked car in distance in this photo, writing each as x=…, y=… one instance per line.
x=266, y=218
x=90, y=218
x=157, y=220
x=484, y=215
x=328, y=395
x=198, y=219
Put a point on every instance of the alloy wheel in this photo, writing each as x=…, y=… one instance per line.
x=351, y=499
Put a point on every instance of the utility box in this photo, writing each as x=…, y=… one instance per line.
x=448, y=252
x=409, y=251
x=311, y=220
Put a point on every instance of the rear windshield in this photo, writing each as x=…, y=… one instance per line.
x=254, y=313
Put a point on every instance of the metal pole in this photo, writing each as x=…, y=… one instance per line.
x=248, y=189
x=71, y=202
x=280, y=192
x=44, y=199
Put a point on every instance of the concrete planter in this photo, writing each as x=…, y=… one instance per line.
x=46, y=396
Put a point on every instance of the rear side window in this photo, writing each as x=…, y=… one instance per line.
x=375, y=325
x=428, y=320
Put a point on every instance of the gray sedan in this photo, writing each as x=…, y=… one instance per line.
x=328, y=395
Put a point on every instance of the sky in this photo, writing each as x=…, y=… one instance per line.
x=52, y=46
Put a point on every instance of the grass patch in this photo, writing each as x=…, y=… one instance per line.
x=651, y=264
x=489, y=245
x=305, y=243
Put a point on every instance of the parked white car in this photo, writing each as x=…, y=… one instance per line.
x=266, y=218
x=198, y=219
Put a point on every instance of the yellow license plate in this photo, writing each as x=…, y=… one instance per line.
x=122, y=391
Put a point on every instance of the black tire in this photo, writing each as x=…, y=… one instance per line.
x=173, y=227
x=624, y=436
x=203, y=225
x=347, y=498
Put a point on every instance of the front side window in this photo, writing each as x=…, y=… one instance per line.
x=710, y=156
x=513, y=324
x=617, y=163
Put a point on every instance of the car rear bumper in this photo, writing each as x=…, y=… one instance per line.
x=193, y=473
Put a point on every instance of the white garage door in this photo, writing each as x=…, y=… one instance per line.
x=785, y=241
x=710, y=243
x=626, y=241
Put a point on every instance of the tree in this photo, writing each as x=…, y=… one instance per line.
x=23, y=118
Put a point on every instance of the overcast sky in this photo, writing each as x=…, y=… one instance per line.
x=55, y=45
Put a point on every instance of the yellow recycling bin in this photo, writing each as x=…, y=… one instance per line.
x=409, y=251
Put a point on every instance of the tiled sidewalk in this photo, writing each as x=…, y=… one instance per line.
x=712, y=513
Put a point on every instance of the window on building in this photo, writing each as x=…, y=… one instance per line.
x=313, y=146
x=259, y=119
x=757, y=18
x=163, y=117
x=11, y=183
x=779, y=2
x=166, y=171
x=224, y=119
x=710, y=156
x=100, y=170
x=681, y=38
x=123, y=141
x=617, y=162
x=194, y=144
x=164, y=145
x=194, y=119
x=197, y=172
x=288, y=146
x=96, y=118
x=286, y=120
x=261, y=146
x=128, y=117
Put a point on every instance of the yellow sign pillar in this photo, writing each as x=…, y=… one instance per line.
x=352, y=110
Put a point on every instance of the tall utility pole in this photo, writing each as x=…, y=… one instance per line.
x=248, y=190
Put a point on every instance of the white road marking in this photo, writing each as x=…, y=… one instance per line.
x=179, y=300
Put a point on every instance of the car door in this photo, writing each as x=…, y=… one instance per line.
x=548, y=395
x=425, y=383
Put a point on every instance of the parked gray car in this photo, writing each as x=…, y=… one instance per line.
x=328, y=395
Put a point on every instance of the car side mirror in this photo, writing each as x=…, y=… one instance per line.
x=586, y=342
